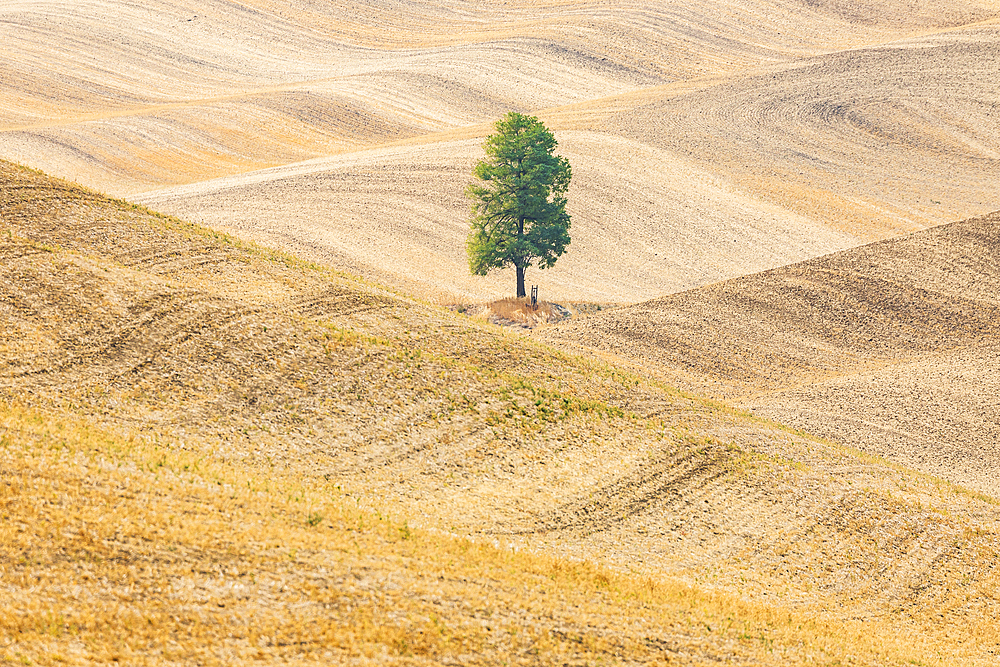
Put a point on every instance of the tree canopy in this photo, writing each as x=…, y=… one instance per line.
x=519, y=204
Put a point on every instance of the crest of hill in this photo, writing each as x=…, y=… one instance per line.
x=888, y=347
x=708, y=140
x=258, y=362
x=111, y=93
x=673, y=187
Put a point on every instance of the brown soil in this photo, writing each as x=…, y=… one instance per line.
x=173, y=333
x=888, y=347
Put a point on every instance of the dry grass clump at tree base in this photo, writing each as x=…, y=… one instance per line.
x=520, y=312
x=512, y=310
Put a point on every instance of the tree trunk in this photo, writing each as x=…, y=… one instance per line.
x=520, y=269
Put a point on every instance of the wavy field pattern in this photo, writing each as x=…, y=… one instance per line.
x=890, y=347
x=399, y=215
x=787, y=114
x=875, y=141
x=205, y=356
x=784, y=241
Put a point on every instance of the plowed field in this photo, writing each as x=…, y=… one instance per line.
x=709, y=139
x=214, y=451
x=168, y=368
x=890, y=347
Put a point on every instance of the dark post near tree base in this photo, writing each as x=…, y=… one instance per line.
x=519, y=202
x=534, y=296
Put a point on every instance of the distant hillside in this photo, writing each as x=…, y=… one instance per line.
x=708, y=139
x=888, y=347
x=873, y=141
x=674, y=187
x=644, y=222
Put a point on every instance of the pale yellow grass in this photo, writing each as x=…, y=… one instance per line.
x=512, y=311
x=180, y=334
x=124, y=550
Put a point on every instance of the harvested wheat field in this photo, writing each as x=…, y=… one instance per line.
x=709, y=139
x=674, y=186
x=304, y=467
x=891, y=347
x=242, y=428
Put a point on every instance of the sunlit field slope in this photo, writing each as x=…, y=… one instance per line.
x=118, y=551
x=709, y=139
x=675, y=186
x=891, y=347
x=124, y=94
x=644, y=221
x=253, y=420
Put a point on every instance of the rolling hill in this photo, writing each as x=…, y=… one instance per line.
x=888, y=347
x=169, y=367
x=241, y=428
x=709, y=140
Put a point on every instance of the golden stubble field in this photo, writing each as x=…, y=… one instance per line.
x=217, y=452
x=213, y=452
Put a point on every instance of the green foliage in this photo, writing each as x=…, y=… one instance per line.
x=525, y=407
x=519, y=204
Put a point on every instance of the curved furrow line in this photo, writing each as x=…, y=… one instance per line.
x=107, y=57
x=139, y=326
x=876, y=141
x=654, y=490
x=174, y=260
x=338, y=302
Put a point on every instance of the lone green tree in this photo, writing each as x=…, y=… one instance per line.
x=519, y=202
